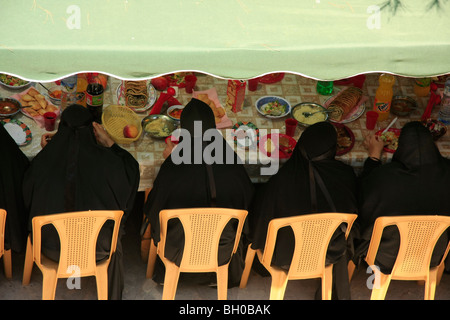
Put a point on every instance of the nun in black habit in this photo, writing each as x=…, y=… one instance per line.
x=13, y=166
x=81, y=168
x=192, y=183
x=415, y=182
x=311, y=181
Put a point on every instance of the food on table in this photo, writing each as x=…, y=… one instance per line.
x=35, y=104
x=285, y=144
x=136, y=93
x=160, y=83
x=391, y=139
x=157, y=128
x=341, y=106
x=270, y=146
x=309, y=120
x=437, y=128
x=273, y=108
x=56, y=94
x=7, y=107
x=12, y=81
x=175, y=113
x=344, y=140
x=130, y=131
x=219, y=112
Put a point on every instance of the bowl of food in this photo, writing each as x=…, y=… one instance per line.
x=437, y=128
x=403, y=105
x=159, y=125
x=174, y=112
x=390, y=137
x=308, y=113
x=9, y=107
x=122, y=123
x=273, y=107
x=54, y=94
x=12, y=82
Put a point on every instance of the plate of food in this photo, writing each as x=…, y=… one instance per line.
x=158, y=125
x=277, y=145
x=308, y=113
x=12, y=82
x=273, y=107
x=391, y=138
x=18, y=130
x=346, y=106
x=34, y=105
x=436, y=127
x=245, y=135
x=345, y=139
x=137, y=95
x=211, y=98
x=174, y=112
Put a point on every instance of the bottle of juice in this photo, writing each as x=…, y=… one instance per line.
x=383, y=96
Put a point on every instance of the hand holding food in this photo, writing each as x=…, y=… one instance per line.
x=45, y=138
x=374, y=144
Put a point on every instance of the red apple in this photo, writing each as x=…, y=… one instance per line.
x=171, y=91
x=130, y=131
x=160, y=83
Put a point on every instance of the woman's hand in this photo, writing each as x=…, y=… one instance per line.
x=45, y=138
x=374, y=145
x=169, y=147
x=103, y=138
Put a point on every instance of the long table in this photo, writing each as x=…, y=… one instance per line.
x=296, y=89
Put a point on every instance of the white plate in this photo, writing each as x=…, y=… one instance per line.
x=151, y=97
x=18, y=130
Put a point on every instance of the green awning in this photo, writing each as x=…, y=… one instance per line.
x=45, y=40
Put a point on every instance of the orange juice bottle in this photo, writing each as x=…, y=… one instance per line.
x=383, y=96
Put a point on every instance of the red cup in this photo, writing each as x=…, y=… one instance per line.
x=174, y=140
x=190, y=81
x=49, y=121
x=371, y=119
x=291, y=124
x=253, y=84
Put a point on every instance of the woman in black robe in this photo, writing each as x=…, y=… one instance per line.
x=13, y=166
x=81, y=168
x=312, y=166
x=188, y=185
x=415, y=182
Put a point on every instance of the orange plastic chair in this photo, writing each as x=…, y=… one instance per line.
x=6, y=254
x=202, y=229
x=418, y=237
x=312, y=234
x=148, y=246
x=78, y=233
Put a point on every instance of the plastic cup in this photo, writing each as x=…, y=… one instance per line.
x=49, y=121
x=190, y=81
x=324, y=87
x=253, y=84
x=371, y=119
x=291, y=125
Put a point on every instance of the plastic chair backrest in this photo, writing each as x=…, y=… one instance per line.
x=418, y=237
x=78, y=233
x=312, y=233
x=2, y=231
x=202, y=229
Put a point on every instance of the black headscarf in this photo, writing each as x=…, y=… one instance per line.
x=74, y=173
x=311, y=181
x=187, y=185
x=13, y=166
x=415, y=182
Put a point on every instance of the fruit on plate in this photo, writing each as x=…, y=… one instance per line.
x=160, y=83
x=130, y=131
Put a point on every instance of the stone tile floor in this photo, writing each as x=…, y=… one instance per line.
x=137, y=287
